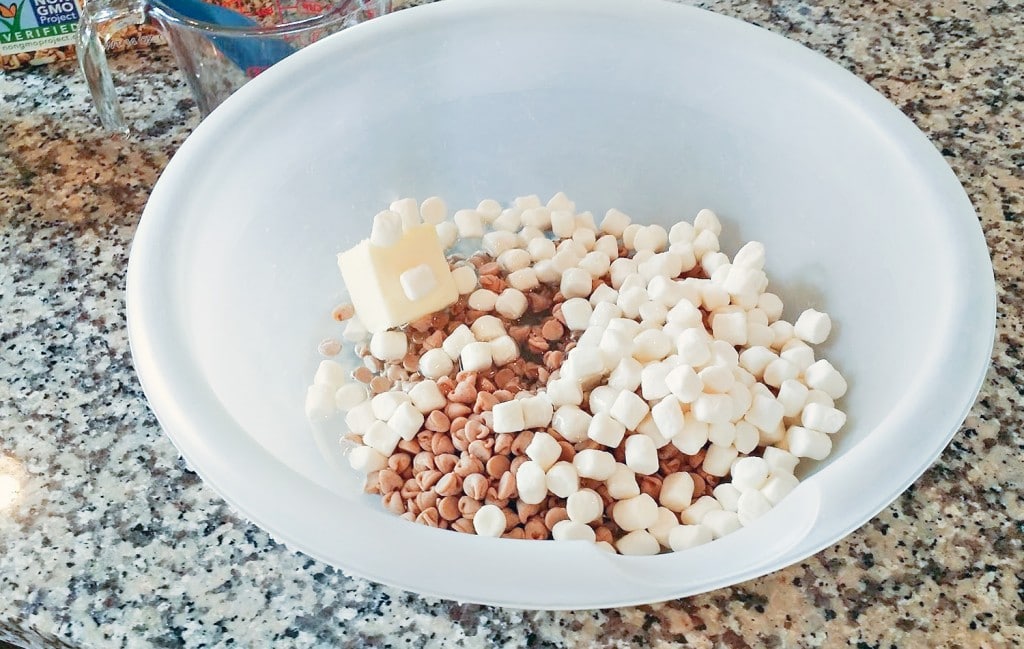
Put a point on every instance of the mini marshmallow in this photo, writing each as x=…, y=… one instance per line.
x=627, y=373
x=668, y=416
x=537, y=411
x=447, y=233
x=653, y=314
x=509, y=220
x=765, y=412
x=651, y=345
x=540, y=249
x=653, y=385
x=564, y=391
x=700, y=508
x=576, y=312
x=650, y=429
x=635, y=513
x=684, y=383
x=601, y=398
x=498, y=241
x=722, y=433
x=562, y=479
x=716, y=379
x=605, y=430
x=609, y=245
x=570, y=530
x=385, y=403
x=537, y=217
x=583, y=235
x=355, y=330
x=433, y=210
x=489, y=209
x=628, y=409
x=514, y=259
x=771, y=304
x=782, y=333
x=504, y=350
x=693, y=346
x=620, y=269
x=728, y=495
x=721, y=523
x=663, y=264
x=426, y=396
x=779, y=371
x=693, y=437
x=561, y=202
x=798, y=353
x=622, y=483
x=571, y=423
x=792, y=396
x=778, y=487
x=819, y=417
x=330, y=373
x=751, y=255
x=604, y=313
x=769, y=437
x=490, y=521
x=817, y=396
x=525, y=279
x=665, y=291
x=661, y=528
x=704, y=242
x=508, y=417
x=687, y=256
x=320, y=401
x=584, y=506
x=823, y=376
x=531, y=483
x=681, y=232
x=779, y=461
x=653, y=237
x=641, y=455
x=358, y=419
x=476, y=356
x=638, y=543
x=563, y=223
x=409, y=211
x=676, y=491
x=707, y=220
x=407, y=420
x=487, y=327
x=482, y=300
x=527, y=202
x=595, y=263
x=755, y=359
x=752, y=504
x=512, y=303
x=730, y=327
x=812, y=326
x=386, y=230
x=718, y=459
x=566, y=258
x=389, y=345
x=747, y=437
x=469, y=224
x=630, y=300
x=367, y=460
x=465, y=279
x=685, y=537
x=615, y=222
x=804, y=442
x=743, y=281
x=417, y=282
x=576, y=282
x=435, y=363
x=544, y=450
x=749, y=473
x=381, y=438
x=712, y=408
x=349, y=396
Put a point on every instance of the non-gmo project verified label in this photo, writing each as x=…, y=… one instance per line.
x=24, y=23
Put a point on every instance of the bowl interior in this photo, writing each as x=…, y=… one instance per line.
x=655, y=109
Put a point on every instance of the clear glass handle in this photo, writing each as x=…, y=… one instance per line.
x=100, y=20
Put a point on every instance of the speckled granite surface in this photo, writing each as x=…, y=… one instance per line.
x=114, y=543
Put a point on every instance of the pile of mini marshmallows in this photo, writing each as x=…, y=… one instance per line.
x=675, y=343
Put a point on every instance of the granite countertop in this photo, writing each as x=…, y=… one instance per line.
x=113, y=542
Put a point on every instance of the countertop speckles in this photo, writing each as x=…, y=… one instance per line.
x=113, y=542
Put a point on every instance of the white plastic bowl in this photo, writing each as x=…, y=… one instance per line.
x=647, y=106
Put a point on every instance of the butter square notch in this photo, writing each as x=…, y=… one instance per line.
x=380, y=280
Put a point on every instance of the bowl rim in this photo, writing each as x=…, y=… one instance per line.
x=169, y=378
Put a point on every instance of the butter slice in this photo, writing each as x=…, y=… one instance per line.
x=372, y=275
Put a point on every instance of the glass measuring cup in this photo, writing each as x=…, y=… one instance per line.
x=218, y=47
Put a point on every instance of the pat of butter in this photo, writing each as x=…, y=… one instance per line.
x=373, y=275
